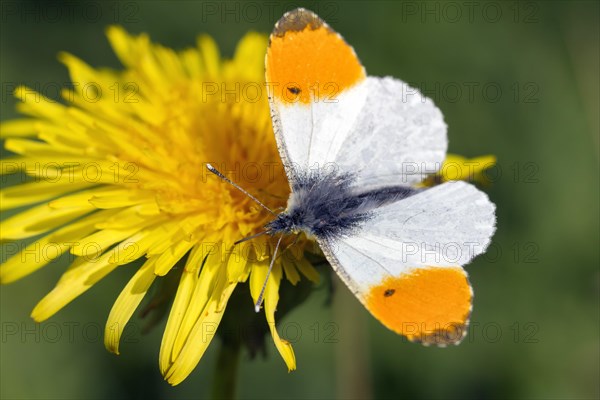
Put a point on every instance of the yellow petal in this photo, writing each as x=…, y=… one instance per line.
x=35, y=192
x=291, y=273
x=202, y=333
x=80, y=199
x=101, y=240
x=126, y=304
x=271, y=297
x=249, y=54
x=192, y=63
x=456, y=167
x=237, y=263
x=185, y=290
x=18, y=127
x=207, y=284
x=132, y=216
x=98, y=242
x=171, y=256
x=40, y=219
x=170, y=234
x=210, y=54
x=36, y=149
x=129, y=49
x=37, y=105
x=307, y=269
x=259, y=270
x=62, y=136
x=73, y=283
x=81, y=73
x=121, y=198
x=41, y=252
x=82, y=275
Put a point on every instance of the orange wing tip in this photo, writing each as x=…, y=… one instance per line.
x=307, y=61
x=429, y=305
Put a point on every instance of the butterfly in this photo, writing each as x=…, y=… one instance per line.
x=354, y=147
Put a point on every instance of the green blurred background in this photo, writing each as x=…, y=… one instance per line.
x=516, y=79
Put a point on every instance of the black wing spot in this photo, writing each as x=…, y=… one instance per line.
x=389, y=292
x=294, y=90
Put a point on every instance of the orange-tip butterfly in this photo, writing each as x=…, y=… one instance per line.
x=354, y=147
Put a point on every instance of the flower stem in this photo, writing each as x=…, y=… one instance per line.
x=226, y=373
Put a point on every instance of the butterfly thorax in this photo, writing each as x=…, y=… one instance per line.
x=327, y=206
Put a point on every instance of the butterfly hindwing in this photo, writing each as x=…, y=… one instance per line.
x=404, y=264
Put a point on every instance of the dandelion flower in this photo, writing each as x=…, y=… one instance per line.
x=117, y=173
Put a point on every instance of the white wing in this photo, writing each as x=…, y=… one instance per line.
x=317, y=90
x=413, y=250
x=328, y=115
x=310, y=135
x=382, y=131
x=397, y=139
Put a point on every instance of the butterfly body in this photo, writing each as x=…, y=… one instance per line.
x=326, y=206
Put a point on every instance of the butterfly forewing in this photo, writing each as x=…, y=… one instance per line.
x=316, y=90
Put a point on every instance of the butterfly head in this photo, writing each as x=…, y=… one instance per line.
x=284, y=223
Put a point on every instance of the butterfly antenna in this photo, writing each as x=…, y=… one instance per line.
x=264, y=287
x=249, y=238
x=223, y=177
